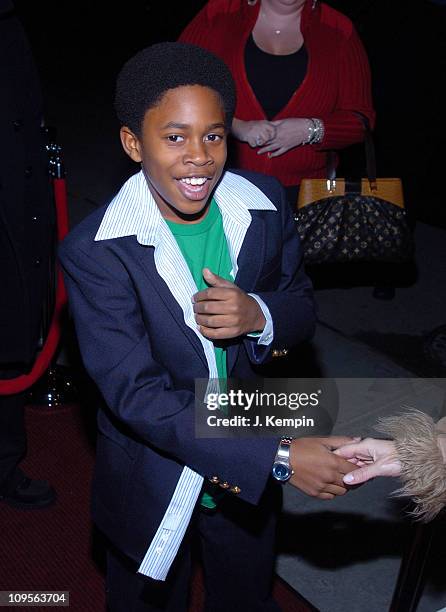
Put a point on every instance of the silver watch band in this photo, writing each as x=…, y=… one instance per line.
x=283, y=451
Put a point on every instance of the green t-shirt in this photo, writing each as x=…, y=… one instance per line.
x=203, y=245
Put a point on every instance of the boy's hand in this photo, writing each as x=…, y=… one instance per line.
x=225, y=311
x=318, y=472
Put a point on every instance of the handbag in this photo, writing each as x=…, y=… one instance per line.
x=341, y=220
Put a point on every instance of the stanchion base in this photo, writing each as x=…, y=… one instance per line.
x=55, y=388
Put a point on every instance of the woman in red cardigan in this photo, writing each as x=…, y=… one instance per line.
x=301, y=74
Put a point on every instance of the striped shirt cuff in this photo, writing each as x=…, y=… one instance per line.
x=164, y=546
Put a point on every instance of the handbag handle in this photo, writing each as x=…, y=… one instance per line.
x=370, y=156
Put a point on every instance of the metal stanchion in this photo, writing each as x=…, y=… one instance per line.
x=56, y=386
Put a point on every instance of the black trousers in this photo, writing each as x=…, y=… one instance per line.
x=12, y=426
x=237, y=551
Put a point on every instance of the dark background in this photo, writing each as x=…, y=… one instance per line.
x=80, y=46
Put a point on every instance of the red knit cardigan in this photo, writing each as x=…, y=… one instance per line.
x=337, y=82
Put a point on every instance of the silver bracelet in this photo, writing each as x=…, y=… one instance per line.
x=318, y=131
x=311, y=130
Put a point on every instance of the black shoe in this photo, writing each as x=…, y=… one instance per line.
x=24, y=493
x=384, y=293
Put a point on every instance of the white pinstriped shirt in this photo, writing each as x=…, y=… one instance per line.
x=134, y=212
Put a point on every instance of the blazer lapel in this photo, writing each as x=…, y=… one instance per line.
x=170, y=302
x=251, y=256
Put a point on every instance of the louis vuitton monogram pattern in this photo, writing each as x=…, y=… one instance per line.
x=354, y=228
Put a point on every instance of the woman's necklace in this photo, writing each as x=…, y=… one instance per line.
x=276, y=30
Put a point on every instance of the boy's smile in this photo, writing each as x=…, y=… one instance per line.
x=182, y=147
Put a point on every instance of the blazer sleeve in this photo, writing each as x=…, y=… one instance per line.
x=291, y=304
x=117, y=354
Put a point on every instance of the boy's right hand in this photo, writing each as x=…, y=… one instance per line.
x=318, y=472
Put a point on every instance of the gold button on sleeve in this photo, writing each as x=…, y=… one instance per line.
x=280, y=352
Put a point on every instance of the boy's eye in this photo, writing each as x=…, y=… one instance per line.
x=214, y=137
x=175, y=138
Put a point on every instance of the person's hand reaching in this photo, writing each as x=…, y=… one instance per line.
x=318, y=472
x=372, y=458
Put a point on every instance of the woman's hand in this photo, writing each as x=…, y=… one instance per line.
x=255, y=133
x=372, y=457
x=290, y=133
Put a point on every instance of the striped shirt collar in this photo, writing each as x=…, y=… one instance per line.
x=133, y=211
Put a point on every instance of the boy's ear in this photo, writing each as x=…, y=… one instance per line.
x=130, y=144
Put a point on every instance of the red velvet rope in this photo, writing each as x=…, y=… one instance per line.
x=24, y=381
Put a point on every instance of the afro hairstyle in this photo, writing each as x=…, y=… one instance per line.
x=149, y=74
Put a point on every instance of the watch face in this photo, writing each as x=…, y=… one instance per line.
x=281, y=471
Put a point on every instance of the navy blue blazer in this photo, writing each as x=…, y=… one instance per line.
x=144, y=359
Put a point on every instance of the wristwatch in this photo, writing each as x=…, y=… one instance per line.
x=282, y=470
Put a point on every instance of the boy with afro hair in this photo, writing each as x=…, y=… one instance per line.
x=191, y=272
